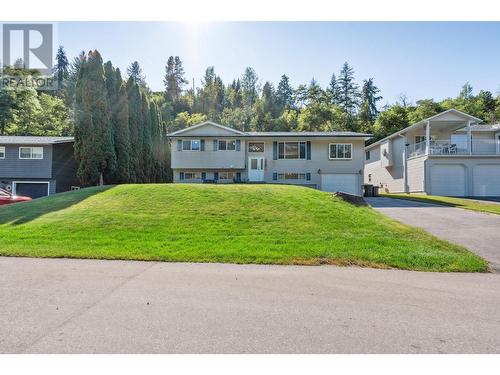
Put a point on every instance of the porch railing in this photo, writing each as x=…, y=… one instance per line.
x=447, y=147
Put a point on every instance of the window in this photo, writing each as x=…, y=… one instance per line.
x=30, y=152
x=370, y=177
x=255, y=146
x=227, y=144
x=226, y=175
x=291, y=150
x=2, y=152
x=191, y=145
x=192, y=175
x=291, y=176
x=340, y=151
x=367, y=155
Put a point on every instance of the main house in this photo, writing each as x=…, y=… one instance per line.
x=448, y=154
x=209, y=152
x=37, y=166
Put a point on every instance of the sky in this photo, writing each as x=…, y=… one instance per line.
x=417, y=59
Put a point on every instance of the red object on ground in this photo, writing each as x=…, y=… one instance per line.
x=7, y=198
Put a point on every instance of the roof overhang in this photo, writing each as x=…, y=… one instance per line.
x=423, y=122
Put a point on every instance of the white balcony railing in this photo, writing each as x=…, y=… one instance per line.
x=446, y=147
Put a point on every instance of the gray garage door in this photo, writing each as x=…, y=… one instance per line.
x=486, y=180
x=448, y=180
x=32, y=189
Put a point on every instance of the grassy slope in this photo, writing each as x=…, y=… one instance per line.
x=468, y=204
x=214, y=223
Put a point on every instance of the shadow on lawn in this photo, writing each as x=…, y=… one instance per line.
x=20, y=213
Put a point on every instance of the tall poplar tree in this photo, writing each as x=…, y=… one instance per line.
x=118, y=103
x=94, y=148
x=135, y=129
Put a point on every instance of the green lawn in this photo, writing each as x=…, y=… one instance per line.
x=468, y=204
x=221, y=223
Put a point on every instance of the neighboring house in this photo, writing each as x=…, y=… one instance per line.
x=209, y=152
x=37, y=166
x=447, y=154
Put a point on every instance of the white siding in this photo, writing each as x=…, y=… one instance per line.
x=391, y=179
x=416, y=174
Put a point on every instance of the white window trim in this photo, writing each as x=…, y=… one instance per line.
x=31, y=157
x=284, y=147
x=330, y=154
x=2, y=149
x=14, y=187
x=257, y=152
x=191, y=145
x=226, y=141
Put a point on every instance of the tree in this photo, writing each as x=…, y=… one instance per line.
x=94, y=148
x=249, y=87
x=269, y=101
x=118, y=104
x=369, y=99
x=135, y=130
x=284, y=94
x=73, y=73
x=174, y=78
x=391, y=120
x=134, y=71
x=348, y=93
x=61, y=69
x=333, y=91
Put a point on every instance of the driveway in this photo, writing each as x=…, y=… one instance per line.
x=93, y=306
x=479, y=232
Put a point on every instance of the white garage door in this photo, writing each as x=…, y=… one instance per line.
x=486, y=180
x=448, y=179
x=347, y=183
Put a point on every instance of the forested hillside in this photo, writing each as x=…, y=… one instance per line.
x=120, y=124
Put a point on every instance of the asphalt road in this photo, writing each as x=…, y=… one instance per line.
x=92, y=306
x=479, y=232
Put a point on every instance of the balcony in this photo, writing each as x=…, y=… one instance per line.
x=446, y=147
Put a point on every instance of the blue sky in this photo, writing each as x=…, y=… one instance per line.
x=418, y=59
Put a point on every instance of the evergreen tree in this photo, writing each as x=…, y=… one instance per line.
x=61, y=69
x=94, y=148
x=73, y=74
x=147, y=140
x=333, y=91
x=134, y=71
x=135, y=129
x=369, y=99
x=249, y=87
x=174, y=79
x=118, y=102
x=269, y=100
x=348, y=93
x=284, y=93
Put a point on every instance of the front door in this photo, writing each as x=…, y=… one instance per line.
x=255, y=169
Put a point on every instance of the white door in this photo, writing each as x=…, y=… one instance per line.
x=256, y=169
x=448, y=180
x=344, y=182
x=486, y=180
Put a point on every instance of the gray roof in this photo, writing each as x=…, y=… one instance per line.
x=33, y=140
x=482, y=128
x=308, y=134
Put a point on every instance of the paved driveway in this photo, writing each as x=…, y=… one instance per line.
x=92, y=306
x=479, y=232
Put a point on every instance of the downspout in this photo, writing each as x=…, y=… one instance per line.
x=405, y=164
